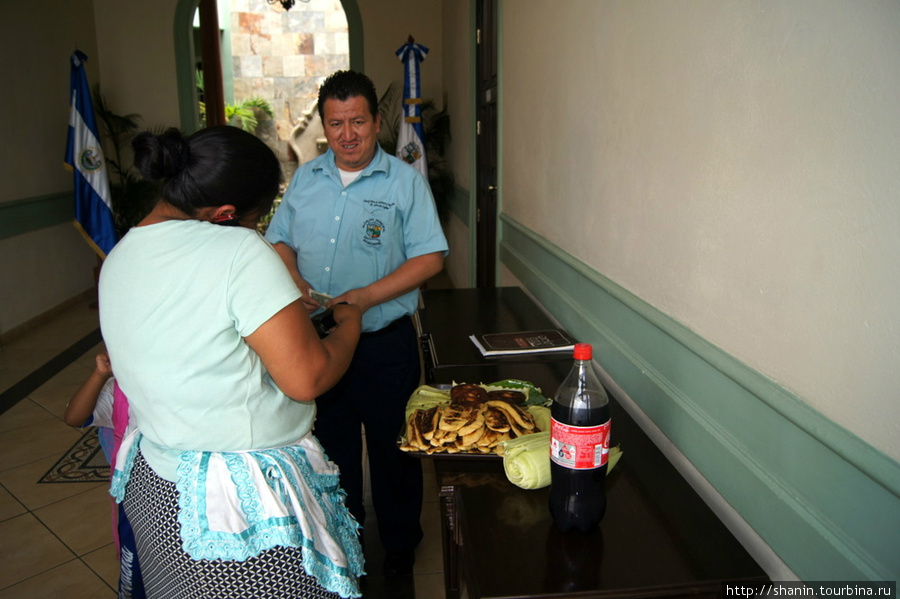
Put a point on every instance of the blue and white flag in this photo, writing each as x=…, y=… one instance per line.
x=411, y=139
x=84, y=157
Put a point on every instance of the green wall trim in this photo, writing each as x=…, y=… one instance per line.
x=355, y=31
x=823, y=499
x=224, y=15
x=183, y=28
x=23, y=216
x=460, y=204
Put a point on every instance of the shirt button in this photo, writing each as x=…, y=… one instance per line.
x=327, y=269
x=332, y=241
x=337, y=218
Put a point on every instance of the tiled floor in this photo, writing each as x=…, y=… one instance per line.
x=55, y=539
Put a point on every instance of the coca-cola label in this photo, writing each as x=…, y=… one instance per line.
x=579, y=447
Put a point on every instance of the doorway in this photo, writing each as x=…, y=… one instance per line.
x=187, y=50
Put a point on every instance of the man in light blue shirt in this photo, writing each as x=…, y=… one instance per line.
x=361, y=226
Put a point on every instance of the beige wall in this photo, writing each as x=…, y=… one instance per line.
x=137, y=59
x=457, y=22
x=457, y=19
x=386, y=27
x=42, y=269
x=37, y=45
x=732, y=164
x=131, y=53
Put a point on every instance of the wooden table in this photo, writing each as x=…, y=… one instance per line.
x=449, y=316
x=657, y=539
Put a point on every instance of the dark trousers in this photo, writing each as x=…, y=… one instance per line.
x=373, y=393
x=131, y=583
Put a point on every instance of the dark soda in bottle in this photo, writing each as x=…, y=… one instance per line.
x=579, y=447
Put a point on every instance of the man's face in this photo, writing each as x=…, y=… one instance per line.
x=351, y=132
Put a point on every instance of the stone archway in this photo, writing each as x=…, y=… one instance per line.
x=282, y=56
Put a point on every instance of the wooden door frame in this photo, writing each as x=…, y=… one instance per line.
x=487, y=184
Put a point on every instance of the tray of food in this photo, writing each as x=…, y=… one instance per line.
x=467, y=420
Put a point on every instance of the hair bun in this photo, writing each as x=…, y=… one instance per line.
x=174, y=153
x=160, y=157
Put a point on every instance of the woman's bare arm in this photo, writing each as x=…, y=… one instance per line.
x=302, y=365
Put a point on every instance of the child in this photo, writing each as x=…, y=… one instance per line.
x=99, y=402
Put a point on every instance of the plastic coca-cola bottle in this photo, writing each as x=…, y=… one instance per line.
x=579, y=447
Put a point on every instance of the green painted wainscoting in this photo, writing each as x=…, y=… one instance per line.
x=23, y=216
x=460, y=205
x=824, y=500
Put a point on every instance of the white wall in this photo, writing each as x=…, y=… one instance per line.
x=735, y=165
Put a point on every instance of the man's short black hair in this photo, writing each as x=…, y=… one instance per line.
x=342, y=85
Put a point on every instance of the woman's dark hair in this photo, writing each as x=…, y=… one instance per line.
x=215, y=166
x=342, y=85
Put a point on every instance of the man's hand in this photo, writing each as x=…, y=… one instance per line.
x=408, y=276
x=357, y=297
x=289, y=257
x=308, y=302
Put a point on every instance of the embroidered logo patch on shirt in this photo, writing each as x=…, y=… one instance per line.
x=373, y=228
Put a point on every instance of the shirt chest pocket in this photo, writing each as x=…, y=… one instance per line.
x=379, y=226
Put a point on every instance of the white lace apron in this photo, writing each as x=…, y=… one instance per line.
x=234, y=505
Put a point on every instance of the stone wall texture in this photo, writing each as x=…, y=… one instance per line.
x=282, y=56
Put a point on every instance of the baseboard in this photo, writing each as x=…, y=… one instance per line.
x=46, y=316
x=826, y=502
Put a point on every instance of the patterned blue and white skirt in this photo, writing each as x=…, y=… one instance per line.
x=267, y=524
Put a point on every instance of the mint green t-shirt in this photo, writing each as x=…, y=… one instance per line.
x=177, y=299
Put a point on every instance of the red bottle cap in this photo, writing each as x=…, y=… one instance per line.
x=583, y=351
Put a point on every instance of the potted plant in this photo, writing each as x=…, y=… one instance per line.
x=132, y=196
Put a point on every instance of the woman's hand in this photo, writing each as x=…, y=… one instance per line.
x=345, y=311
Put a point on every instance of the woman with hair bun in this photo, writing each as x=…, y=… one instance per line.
x=229, y=493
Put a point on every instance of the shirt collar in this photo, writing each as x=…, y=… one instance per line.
x=380, y=163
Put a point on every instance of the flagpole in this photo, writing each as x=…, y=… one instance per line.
x=84, y=158
x=411, y=138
